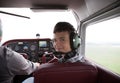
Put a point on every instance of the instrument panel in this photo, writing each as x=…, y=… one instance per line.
x=33, y=48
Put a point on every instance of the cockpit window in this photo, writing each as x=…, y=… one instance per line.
x=103, y=43
x=24, y=23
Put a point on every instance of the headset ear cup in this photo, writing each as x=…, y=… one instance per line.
x=76, y=41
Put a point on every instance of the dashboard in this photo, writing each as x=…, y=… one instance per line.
x=33, y=48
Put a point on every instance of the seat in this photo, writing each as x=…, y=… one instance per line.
x=67, y=73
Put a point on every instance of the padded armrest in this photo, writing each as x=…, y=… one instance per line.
x=67, y=73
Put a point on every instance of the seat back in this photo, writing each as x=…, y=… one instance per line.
x=67, y=73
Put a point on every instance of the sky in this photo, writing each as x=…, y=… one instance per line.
x=105, y=32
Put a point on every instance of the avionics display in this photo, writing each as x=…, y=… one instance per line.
x=42, y=44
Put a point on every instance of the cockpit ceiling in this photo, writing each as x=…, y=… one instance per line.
x=83, y=8
x=36, y=3
x=44, y=4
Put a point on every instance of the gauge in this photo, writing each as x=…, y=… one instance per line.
x=32, y=47
x=17, y=48
x=25, y=48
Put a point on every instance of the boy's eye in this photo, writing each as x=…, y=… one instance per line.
x=63, y=39
x=60, y=40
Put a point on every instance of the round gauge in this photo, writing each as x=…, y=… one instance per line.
x=17, y=48
x=32, y=47
x=25, y=48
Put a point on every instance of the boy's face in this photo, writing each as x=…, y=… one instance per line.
x=62, y=42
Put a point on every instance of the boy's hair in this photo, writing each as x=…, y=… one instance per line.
x=63, y=26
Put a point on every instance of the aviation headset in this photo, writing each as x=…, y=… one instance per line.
x=75, y=40
x=0, y=28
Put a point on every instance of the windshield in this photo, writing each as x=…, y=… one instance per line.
x=28, y=23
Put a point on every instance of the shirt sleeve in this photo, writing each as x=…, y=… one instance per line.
x=18, y=65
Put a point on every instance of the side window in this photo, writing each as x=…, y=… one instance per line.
x=103, y=44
